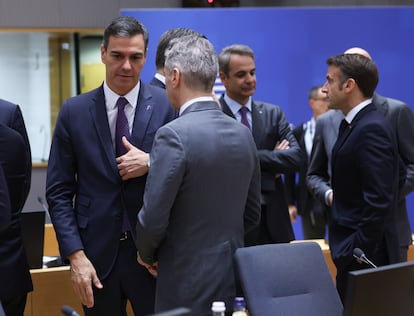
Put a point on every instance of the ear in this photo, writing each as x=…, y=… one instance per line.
x=349, y=84
x=103, y=53
x=175, y=77
x=223, y=77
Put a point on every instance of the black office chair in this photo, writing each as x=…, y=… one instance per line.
x=287, y=279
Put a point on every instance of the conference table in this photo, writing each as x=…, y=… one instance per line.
x=53, y=288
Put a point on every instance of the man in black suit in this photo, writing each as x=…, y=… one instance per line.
x=163, y=44
x=401, y=118
x=312, y=212
x=15, y=276
x=365, y=170
x=278, y=149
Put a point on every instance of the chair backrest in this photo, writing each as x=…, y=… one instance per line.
x=287, y=279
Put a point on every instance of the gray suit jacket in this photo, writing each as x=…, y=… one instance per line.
x=202, y=195
x=401, y=118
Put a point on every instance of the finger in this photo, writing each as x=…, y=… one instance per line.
x=126, y=143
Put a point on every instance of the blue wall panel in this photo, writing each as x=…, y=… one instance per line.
x=292, y=44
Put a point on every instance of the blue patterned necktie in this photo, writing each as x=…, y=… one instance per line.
x=122, y=127
x=243, y=112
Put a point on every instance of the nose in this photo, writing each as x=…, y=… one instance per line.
x=126, y=64
x=324, y=88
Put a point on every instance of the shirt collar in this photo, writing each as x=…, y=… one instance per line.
x=111, y=97
x=189, y=102
x=351, y=114
x=160, y=77
x=235, y=106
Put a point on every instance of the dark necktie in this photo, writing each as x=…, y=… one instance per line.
x=122, y=127
x=342, y=127
x=243, y=112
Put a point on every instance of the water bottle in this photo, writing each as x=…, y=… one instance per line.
x=218, y=308
x=239, y=307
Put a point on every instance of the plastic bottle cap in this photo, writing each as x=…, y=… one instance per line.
x=218, y=307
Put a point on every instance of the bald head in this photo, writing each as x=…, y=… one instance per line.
x=359, y=51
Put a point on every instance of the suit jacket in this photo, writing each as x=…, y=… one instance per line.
x=158, y=83
x=270, y=126
x=365, y=179
x=15, y=277
x=298, y=193
x=401, y=118
x=194, y=214
x=5, y=209
x=85, y=193
x=11, y=115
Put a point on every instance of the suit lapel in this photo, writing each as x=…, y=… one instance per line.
x=143, y=113
x=100, y=120
x=258, y=119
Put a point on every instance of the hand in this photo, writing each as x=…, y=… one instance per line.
x=83, y=275
x=134, y=163
x=283, y=145
x=293, y=213
x=152, y=269
x=330, y=198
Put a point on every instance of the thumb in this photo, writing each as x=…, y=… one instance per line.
x=126, y=143
x=97, y=282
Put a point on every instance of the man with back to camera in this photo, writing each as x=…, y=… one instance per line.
x=277, y=148
x=312, y=212
x=195, y=214
x=97, y=173
x=365, y=170
x=401, y=118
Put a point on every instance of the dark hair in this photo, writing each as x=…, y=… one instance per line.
x=165, y=40
x=358, y=67
x=226, y=52
x=125, y=26
x=313, y=92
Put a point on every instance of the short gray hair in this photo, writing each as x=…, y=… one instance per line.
x=226, y=52
x=196, y=59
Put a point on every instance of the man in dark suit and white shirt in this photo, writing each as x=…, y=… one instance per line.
x=313, y=213
x=203, y=188
x=163, y=44
x=277, y=148
x=365, y=170
x=401, y=118
x=97, y=172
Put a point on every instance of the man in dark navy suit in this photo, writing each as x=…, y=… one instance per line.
x=15, y=277
x=94, y=189
x=365, y=170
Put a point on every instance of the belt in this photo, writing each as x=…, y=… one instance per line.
x=125, y=236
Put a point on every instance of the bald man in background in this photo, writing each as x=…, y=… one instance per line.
x=401, y=118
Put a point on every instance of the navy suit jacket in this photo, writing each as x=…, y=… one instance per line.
x=5, y=209
x=15, y=277
x=365, y=180
x=270, y=126
x=401, y=118
x=158, y=83
x=11, y=115
x=85, y=193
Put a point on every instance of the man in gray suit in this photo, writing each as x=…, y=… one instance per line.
x=203, y=188
x=401, y=118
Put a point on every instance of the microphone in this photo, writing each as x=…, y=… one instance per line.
x=43, y=205
x=68, y=311
x=360, y=255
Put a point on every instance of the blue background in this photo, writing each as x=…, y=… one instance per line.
x=291, y=46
